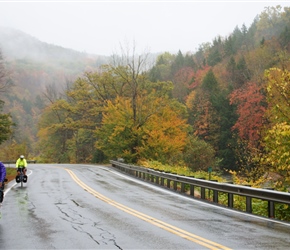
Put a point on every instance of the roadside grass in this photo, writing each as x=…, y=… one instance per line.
x=182, y=170
x=10, y=173
x=259, y=207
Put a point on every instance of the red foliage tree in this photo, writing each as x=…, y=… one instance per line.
x=251, y=109
x=197, y=78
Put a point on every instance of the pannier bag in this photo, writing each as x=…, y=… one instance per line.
x=17, y=179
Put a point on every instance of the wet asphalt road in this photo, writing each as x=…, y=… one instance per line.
x=95, y=207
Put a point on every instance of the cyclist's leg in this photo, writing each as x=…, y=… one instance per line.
x=24, y=174
x=18, y=174
x=2, y=192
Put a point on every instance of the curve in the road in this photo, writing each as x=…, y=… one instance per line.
x=170, y=228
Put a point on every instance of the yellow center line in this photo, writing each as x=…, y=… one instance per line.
x=170, y=228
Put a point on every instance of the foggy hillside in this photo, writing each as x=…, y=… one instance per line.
x=32, y=64
x=35, y=69
x=16, y=44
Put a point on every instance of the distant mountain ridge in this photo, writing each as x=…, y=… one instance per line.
x=33, y=65
x=16, y=44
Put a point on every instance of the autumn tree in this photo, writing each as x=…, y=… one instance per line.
x=270, y=22
x=251, y=108
x=197, y=78
x=212, y=116
x=207, y=122
x=5, y=119
x=177, y=63
x=183, y=79
x=53, y=133
x=277, y=137
x=71, y=120
x=250, y=104
x=119, y=95
x=5, y=81
x=238, y=73
x=159, y=133
x=5, y=124
x=161, y=71
x=215, y=52
x=198, y=154
x=277, y=158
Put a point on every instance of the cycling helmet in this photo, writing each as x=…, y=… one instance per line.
x=22, y=156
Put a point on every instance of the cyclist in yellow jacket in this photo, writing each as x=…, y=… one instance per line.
x=21, y=164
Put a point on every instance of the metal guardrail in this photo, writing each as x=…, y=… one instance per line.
x=178, y=183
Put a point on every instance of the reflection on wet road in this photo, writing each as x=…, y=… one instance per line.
x=94, y=207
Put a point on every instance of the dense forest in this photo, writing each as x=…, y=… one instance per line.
x=225, y=106
x=30, y=69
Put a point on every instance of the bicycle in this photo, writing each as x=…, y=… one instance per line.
x=21, y=178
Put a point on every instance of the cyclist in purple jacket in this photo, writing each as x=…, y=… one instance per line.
x=2, y=179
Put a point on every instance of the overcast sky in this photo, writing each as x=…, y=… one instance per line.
x=100, y=27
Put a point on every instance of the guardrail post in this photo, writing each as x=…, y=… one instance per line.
x=162, y=181
x=157, y=180
x=175, y=185
x=230, y=197
x=168, y=183
x=271, y=207
x=249, y=204
x=202, y=193
x=230, y=200
x=202, y=190
x=191, y=190
x=182, y=188
x=215, y=194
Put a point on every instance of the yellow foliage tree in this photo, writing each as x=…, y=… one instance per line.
x=277, y=137
x=159, y=133
x=278, y=153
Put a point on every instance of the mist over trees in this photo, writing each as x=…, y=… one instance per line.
x=33, y=68
x=224, y=106
x=5, y=118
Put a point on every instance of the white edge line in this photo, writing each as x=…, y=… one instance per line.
x=14, y=184
x=195, y=200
